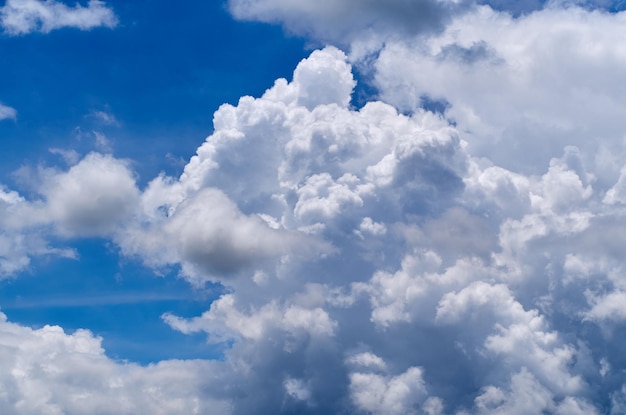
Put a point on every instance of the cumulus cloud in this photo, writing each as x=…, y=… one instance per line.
x=290, y=166
x=519, y=106
x=48, y=371
x=95, y=197
x=389, y=259
x=92, y=197
x=19, y=17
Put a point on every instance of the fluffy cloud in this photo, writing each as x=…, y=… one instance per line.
x=18, y=17
x=519, y=106
x=389, y=259
x=95, y=197
x=48, y=371
x=283, y=171
x=92, y=198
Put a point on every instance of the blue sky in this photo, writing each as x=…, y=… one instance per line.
x=160, y=78
x=380, y=207
x=160, y=73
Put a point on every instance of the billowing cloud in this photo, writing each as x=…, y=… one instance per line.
x=387, y=259
x=18, y=17
x=519, y=106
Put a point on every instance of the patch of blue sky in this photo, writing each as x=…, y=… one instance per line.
x=520, y=7
x=161, y=73
x=146, y=91
x=118, y=300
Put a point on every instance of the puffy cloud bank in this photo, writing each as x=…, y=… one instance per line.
x=385, y=259
x=18, y=17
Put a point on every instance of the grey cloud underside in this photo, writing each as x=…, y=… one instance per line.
x=469, y=262
x=355, y=23
x=340, y=22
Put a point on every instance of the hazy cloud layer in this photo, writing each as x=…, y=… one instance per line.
x=384, y=259
x=19, y=17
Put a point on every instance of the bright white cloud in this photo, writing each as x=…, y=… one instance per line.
x=380, y=395
x=92, y=198
x=48, y=371
x=18, y=17
x=520, y=106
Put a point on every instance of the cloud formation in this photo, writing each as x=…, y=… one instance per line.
x=19, y=17
x=47, y=371
x=387, y=259
x=344, y=20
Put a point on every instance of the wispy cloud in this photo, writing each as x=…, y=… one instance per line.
x=104, y=117
x=7, y=112
x=82, y=300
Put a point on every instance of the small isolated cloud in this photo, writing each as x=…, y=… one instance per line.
x=70, y=157
x=7, y=113
x=93, y=198
x=19, y=17
x=104, y=117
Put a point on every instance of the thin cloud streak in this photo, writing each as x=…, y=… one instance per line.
x=103, y=299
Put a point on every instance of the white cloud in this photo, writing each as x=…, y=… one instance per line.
x=322, y=164
x=388, y=263
x=608, y=307
x=225, y=321
x=18, y=17
x=47, y=371
x=104, y=117
x=7, y=113
x=91, y=198
x=379, y=393
x=18, y=241
x=519, y=106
